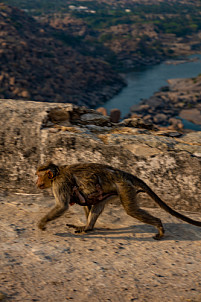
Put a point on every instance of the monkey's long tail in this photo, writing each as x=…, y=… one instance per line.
x=164, y=206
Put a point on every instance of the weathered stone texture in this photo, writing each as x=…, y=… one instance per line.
x=32, y=133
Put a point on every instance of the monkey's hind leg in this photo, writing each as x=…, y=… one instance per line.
x=80, y=229
x=128, y=198
x=87, y=210
x=149, y=219
x=92, y=215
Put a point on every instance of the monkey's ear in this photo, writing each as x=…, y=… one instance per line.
x=50, y=174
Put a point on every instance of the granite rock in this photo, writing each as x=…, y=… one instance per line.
x=30, y=134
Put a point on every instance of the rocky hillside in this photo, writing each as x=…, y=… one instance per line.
x=126, y=34
x=125, y=46
x=182, y=97
x=40, y=64
x=32, y=133
x=129, y=34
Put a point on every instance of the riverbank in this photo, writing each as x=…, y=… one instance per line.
x=144, y=86
x=181, y=98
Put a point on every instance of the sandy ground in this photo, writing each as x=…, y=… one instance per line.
x=118, y=261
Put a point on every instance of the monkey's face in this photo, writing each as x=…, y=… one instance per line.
x=44, y=180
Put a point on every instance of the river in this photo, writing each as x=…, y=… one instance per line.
x=141, y=84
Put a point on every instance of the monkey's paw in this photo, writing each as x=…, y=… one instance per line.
x=160, y=233
x=78, y=229
x=157, y=237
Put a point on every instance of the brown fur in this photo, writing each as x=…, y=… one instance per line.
x=92, y=185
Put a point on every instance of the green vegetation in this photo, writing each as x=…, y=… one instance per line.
x=67, y=39
x=175, y=18
x=178, y=23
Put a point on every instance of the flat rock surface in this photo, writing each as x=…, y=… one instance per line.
x=118, y=261
x=192, y=115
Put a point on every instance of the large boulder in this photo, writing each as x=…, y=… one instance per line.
x=32, y=133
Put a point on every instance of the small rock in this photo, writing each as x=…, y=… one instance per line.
x=24, y=94
x=160, y=118
x=102, y=110
x=134, y=115
x=147, y=118
x=58, y=115
x=169, y=133
x=94, y=119
x=115, y=115
x=176, y=123
x=144, y=107
x=137, y=123
x=154, y=103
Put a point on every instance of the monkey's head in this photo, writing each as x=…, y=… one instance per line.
x=46, y=174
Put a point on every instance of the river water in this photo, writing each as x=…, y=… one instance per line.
x=144, y=82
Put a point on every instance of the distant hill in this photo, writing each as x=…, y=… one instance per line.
x=124, y=33
x=37, y=64
x=128, y=34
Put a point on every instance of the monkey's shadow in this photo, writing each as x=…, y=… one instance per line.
x=173, y=231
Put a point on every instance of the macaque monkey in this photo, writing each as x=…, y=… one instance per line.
x=92, y=186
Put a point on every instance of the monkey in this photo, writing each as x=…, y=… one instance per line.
x=92, y=185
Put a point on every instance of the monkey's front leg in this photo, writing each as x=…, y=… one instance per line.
x=54, y=213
